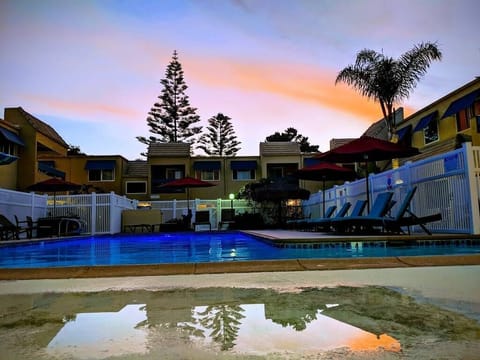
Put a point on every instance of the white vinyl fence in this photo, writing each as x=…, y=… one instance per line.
x=448, y=184
x=175, y=209
x=101, y=213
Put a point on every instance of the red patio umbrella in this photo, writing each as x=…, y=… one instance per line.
x=325, y=171
x=54, y=185
x=186, y=183
x=365, y=149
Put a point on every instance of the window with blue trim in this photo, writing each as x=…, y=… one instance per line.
x=430, y=132
x=208, y=175
x=243, y=175
x=101, y=175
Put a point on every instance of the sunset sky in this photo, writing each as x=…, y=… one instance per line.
x=92, y=69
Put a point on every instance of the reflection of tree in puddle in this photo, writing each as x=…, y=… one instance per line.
x=224, y=323
x=179, y=316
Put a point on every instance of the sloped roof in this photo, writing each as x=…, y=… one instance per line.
x=276, y=148
x=137, y=168
x=169, y=149
x=42, y=127
x=377, y=130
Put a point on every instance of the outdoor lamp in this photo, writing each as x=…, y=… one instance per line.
x=231, y=197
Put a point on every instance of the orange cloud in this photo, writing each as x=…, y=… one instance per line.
x=295, y=81
x=87, y=109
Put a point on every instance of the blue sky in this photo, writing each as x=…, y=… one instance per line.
x=92, y=69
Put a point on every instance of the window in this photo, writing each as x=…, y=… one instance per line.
x=136, y=187
x=430, y=132
x=275, y=172
x=463, y=118
x=173, y=174
x=101, y=175
x=8, y=148
x=244, y=174
x=208, y=175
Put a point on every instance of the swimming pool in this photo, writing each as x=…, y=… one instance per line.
x=143, y=249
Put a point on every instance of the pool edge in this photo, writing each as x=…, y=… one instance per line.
x=237, y=267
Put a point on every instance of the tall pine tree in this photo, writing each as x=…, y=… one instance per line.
x=220, y=138
x=172, y=117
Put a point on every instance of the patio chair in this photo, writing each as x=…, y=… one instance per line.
x=228, y=218
x=8, y=230
x=310, y=222
x=380, y=207
x=401, y=219
x=27, y=226
x=324, y=223
x=202, y=218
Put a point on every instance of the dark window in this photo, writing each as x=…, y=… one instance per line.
x=136, y=187
x=101, y=175
x=430, y=132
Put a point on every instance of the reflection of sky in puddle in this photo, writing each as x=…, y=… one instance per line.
x=243, y=329
x=102, y=334
x=259, y=335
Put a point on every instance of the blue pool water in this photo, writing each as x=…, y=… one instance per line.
x=127, y=249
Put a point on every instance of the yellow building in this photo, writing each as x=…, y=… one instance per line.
x=446, y=123
x=11, y=147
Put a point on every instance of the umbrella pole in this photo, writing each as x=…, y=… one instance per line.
x=323, y=196
x=368, y=190
x=54, y=203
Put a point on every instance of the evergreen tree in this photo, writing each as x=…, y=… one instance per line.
x=291, y=134
x=220, y=138
x=172, y=117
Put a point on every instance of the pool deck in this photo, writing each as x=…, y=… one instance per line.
x=274, y=236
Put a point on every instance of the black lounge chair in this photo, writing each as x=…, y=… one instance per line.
x=324, y=223
x=310, y=222
x=401, y=219
x=202, y=218
x=355, y=224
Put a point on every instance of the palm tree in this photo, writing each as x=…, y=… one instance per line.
x=387, y=80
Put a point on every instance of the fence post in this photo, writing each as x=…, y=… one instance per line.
x=472, y=188
x=112, y=212
x=93, y=219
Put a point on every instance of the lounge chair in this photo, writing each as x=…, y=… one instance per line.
x=27, y=226
x=395, y=224
x=8, y=230
x=324, y=223
x=380, y=207
x=310, y=222
x=202, y=218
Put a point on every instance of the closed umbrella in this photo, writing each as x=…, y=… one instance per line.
x=365, y=149
x=325, y=171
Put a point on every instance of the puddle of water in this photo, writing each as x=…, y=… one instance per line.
x=218, y=323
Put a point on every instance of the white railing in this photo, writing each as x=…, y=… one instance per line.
x=446, y=184
x=175, y=209
x=101, y=213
